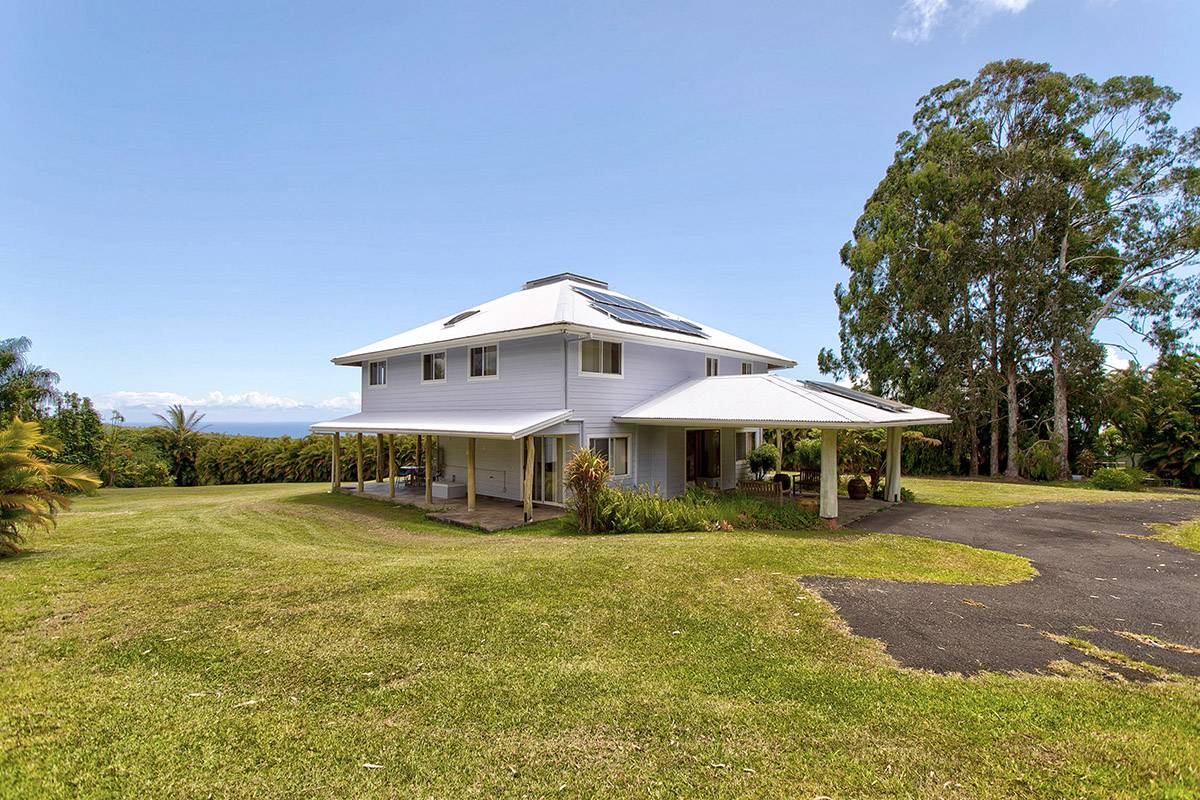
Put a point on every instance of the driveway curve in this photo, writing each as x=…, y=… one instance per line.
x=1100, y=579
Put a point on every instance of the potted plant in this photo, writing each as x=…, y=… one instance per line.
x=856, y=451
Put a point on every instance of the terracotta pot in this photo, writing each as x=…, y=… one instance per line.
x=856, y=489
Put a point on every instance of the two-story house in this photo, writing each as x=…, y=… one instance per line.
x=506, y=390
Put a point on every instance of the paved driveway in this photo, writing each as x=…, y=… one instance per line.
x=1095, y=580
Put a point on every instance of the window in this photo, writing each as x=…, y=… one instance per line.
x=600, y=358
x=710, y=366
x=377, y=373
x=433, y=367
x=746, y=442
x=747, y=368
x=616, y=450
x=485, y=361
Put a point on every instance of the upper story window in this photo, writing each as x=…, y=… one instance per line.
x=746, y=442
x=747, y=368
x=597, y=357
x=433, y=367
x=484, y=361
x=377, y=373
x=711, y=366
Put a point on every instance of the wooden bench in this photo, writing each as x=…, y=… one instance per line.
x=768, y=490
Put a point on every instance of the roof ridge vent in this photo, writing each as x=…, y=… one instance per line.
x=565, y=276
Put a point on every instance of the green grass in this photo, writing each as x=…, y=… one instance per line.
x=268, y=641
x=1185, y=534
x=1002, y=493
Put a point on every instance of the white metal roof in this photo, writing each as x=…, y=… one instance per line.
x=771, y=401
x=548, y=307
x=482, y=424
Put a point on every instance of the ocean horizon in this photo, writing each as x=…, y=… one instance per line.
x=269, y=429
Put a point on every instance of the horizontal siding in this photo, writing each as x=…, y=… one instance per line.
x=531, y=379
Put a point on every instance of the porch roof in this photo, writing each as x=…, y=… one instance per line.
x=772, y=401
x=481, y=424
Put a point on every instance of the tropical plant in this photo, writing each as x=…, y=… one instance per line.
x=77, y=427
x=26, y=390
x=31, y=488
x=180, y=439
x=586, y=475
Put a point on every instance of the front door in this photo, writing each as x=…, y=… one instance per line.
x=547, y=469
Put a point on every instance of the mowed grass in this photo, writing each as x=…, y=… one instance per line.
x=1185, y=534
x=1003, y=493
x=270, y=641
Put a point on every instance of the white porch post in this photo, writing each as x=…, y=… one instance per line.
x=891, y=491
x=829, y=475
x=527, y=479
x=335, y=466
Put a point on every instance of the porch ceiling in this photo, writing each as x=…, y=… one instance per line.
x=479, y=424
x=771, y=401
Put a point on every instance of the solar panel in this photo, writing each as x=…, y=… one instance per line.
x=857, y=396
x=612, y=300
x=648, y=320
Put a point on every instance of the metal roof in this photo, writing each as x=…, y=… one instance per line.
x=771, y=401
x=482, y=424
x=548, y=308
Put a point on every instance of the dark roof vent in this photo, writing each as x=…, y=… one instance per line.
x=565, y=276
x=460, y=317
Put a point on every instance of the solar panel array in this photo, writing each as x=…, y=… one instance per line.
x=604, y=298
x=637, y=313
x=857, y=396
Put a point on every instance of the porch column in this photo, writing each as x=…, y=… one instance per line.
x=428, y=472
x=829, y=476
x=335, y=463
x=471, y=474
x=391, y=465
x=891, y=491
x=358, y=447
x=527, y=480
x=379, y=458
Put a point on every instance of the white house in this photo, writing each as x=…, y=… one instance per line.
x=511, y=387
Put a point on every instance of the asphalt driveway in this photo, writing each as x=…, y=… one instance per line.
x=1098, y=581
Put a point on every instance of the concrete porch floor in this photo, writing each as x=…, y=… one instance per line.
x=490, y=514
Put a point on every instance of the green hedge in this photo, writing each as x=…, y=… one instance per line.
x=645, y=511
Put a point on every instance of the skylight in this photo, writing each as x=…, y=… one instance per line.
x=460, y=317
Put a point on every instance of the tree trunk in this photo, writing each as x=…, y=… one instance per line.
x=994, y=443
x=1060, y=409
x=1012, y=468
x=973, y=461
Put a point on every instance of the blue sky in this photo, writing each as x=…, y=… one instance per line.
x=207, y=202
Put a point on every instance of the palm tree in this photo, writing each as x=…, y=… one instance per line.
x=30, y=487
x=180, y=439
x=26, y=390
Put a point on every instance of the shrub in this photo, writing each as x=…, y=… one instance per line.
x=644, y=510
x=587, y=475
x=1040, y=461
x=1118, y=479
x=784, y=479
x=763, y=459
x=1086, y=463
x=907, y=495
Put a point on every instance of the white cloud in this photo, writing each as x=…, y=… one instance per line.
x=1113, y=358
x=256, y=401
x=918, y=18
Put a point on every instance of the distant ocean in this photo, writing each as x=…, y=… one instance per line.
x=294, y=429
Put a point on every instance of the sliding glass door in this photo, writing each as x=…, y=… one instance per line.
x=547, y=469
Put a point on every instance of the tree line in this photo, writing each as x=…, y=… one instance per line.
x=1023, y=209
x=177, y=451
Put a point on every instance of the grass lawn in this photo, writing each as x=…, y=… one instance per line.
x=1002, y=493
x=1185, y=534
x=270, y=641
